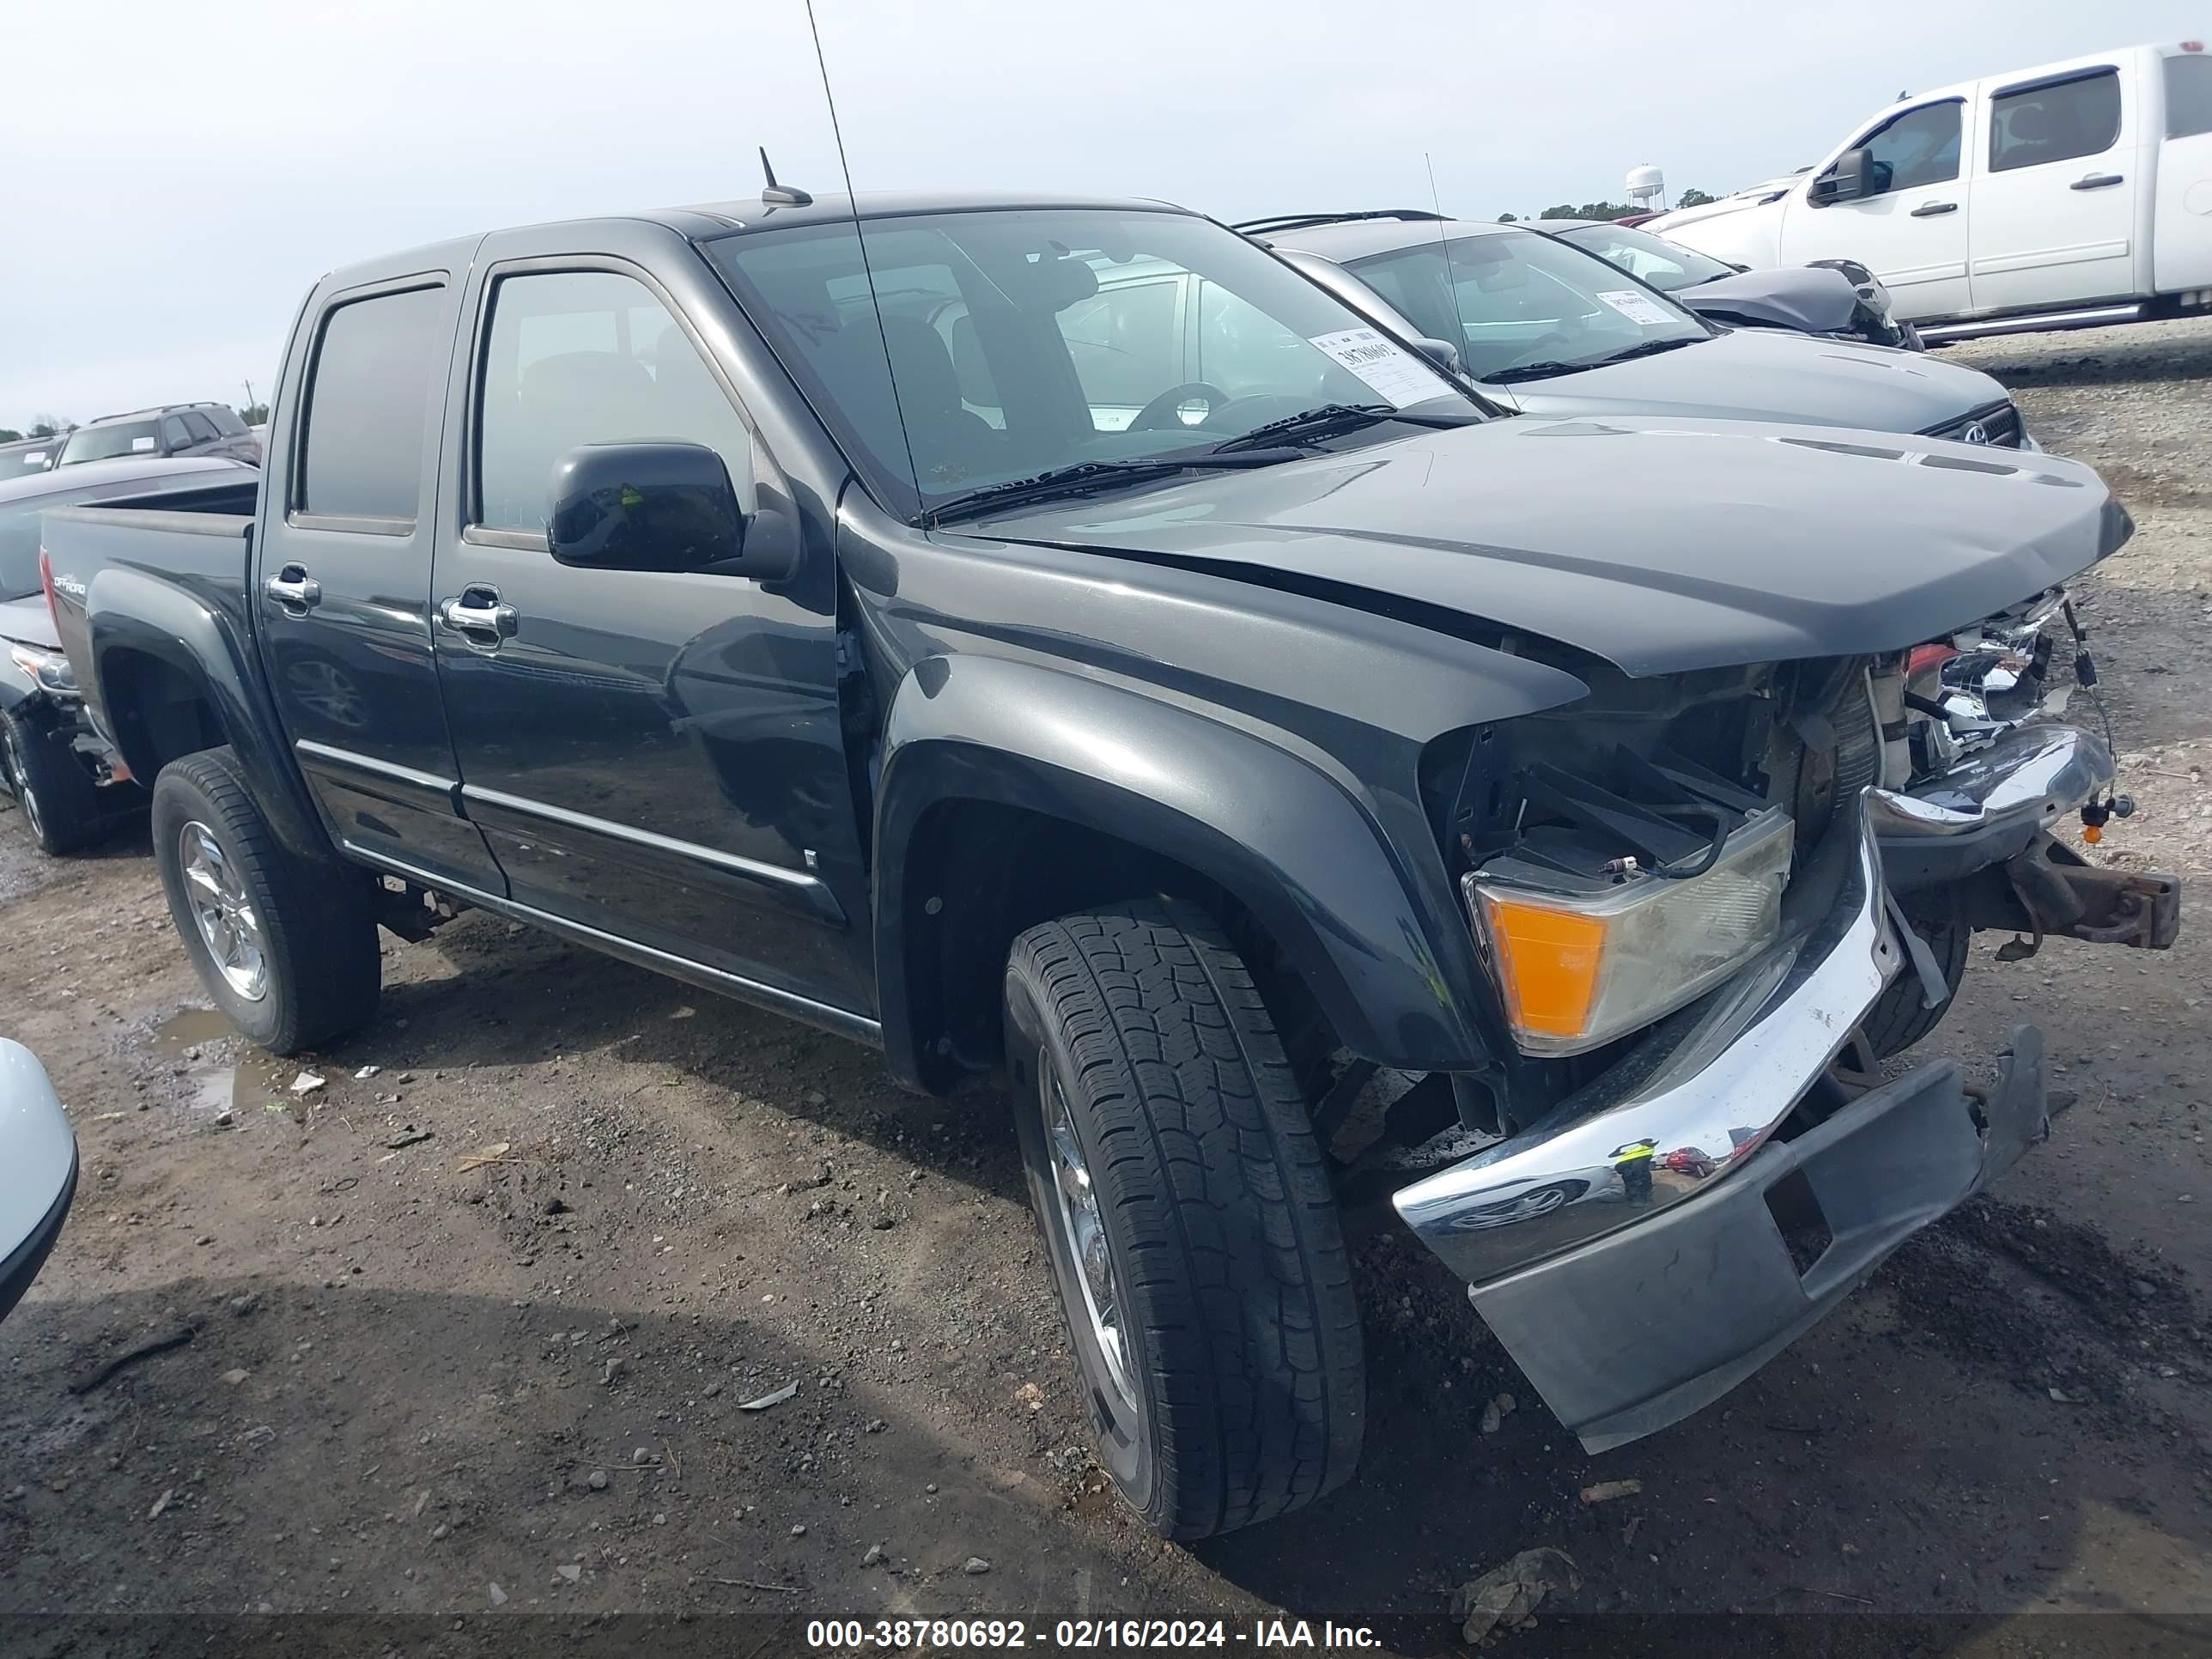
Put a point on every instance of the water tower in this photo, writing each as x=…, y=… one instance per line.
x=1647, y=188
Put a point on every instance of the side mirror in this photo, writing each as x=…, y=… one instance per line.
x=1443, y=353
x=1850, y=178
x=646, y=506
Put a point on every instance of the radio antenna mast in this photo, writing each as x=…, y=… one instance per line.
x=1443, y=247
x=875, y=304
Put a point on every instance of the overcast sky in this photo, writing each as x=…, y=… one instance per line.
x=178, y=175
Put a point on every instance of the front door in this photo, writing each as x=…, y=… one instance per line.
x=656, y=755
x=1910, y=228
x=2054, y=207
x=343, y=578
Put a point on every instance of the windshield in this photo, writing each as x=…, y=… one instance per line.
x=1516, y=299
x=103, y=443
x=1647, y=257
x=1023, y=342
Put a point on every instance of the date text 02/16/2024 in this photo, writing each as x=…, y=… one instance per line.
x=893, y=1635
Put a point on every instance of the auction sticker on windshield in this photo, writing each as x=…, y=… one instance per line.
x=1395, y=373
x=1637, y=307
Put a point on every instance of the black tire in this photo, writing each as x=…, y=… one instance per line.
x=312, y=923
x=1245, y=1382
x=60, y=803
x=1899, y=1018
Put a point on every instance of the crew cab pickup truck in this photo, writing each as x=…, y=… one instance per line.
x=829, y=631
x=2077, y=193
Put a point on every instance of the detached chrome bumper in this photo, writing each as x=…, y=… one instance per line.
x=1705, y=1090
x=1989, y=806
x=1629, y=1249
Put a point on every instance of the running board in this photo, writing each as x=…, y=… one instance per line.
x=2096, y=316
x=843, y=1022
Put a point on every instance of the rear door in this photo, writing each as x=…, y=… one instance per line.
x=656, y=756
x=342, y=575
x=2182, y=259
x=1910, y=229
x=2059, y=172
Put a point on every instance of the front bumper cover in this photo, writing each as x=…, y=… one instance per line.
x=1639, y=1328
x=1624, y=1249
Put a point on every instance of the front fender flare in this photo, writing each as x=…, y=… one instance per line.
x=1380, y=948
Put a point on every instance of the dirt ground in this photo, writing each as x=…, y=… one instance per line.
x=473, y=1337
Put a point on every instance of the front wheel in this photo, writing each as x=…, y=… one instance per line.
x=59, y=801
x=285, y=945
x=1189, y=1218
x=1900, y=1017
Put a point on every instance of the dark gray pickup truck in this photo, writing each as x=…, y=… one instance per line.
x=1297, y=776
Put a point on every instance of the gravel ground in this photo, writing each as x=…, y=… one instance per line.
x=473, y=1336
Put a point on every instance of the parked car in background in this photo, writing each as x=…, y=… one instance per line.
x=1548, y=327
x=37, y=1170
x=157, y=434
x=2073, y=194
x=28, y=455
x=824, y=630
x=62, y=778
x=1838, y=297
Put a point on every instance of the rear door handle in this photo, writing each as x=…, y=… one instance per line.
x=2099, y=181
x=1930, y=209
x=294, y=589
x=480, y=614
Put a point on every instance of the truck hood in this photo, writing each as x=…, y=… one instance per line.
x=29, y=622
x=1761, y=374
x=1663, y=546
x=1750, y=201
x=1812, y=300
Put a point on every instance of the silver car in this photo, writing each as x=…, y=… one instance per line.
x=37, y=1170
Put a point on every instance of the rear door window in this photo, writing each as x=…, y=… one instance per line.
x=2059, y=122
x=2188, y=95
x=368, y=399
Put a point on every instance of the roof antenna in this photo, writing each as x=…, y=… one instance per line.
x=777, y=195
x=1443, y=247
x=852, y=201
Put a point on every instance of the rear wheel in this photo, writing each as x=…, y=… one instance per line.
x=60, y=803
x=1188, y=1218
x=1900, y=1016
x=285, y=945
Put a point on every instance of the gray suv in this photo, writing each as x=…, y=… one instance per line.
x=171, y=429
x=1548, y=328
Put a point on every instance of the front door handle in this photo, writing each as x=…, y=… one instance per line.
x=1930, y=209
x=294, y=589
x=480, y=613
x=2099, y=181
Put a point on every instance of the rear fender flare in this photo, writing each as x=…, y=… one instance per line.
x=130, y=614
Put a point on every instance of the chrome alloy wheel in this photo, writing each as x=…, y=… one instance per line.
x=223, y=911
x=1082, y=1228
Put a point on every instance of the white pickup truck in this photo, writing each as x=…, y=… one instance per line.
x=2077, y=193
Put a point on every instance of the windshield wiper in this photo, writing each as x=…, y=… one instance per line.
x=1644, y=348
x=1542, y=371
x=1312, y=424
x=1552, y=366
x=1082, y=477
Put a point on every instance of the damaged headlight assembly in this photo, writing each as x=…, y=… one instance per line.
x=1580, y=962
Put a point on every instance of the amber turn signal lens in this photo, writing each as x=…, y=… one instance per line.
x=1547, y=963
